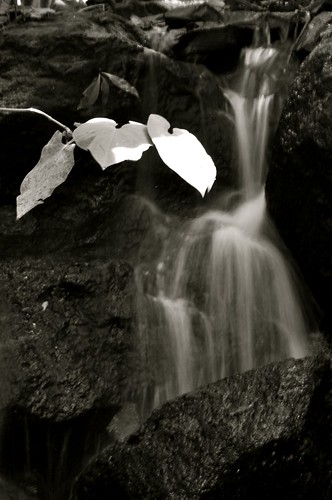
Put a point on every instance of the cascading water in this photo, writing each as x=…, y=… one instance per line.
x=223, y=299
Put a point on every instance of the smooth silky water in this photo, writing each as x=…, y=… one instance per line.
x=224, y=298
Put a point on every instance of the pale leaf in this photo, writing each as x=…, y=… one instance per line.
x=53, y=168
x=110, y=145
x=183, y=153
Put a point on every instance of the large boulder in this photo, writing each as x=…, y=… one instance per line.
x=9, y=491
x=69, y=357
x=299, y=186
x=262, y=433
x=66, y=332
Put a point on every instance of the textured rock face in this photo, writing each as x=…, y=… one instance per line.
x=91, y=221
x=65, y=328
x=255, y=433
x=11, y=492
x=299, y=181
x=68, y=333
x=68, y=316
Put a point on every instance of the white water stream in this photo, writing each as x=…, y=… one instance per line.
x=224, y=299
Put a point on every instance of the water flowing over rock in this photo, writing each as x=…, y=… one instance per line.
x=188, y=336
x=222, y=298
x=263, y=431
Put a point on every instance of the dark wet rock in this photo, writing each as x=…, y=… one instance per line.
x=164, y=40
x=218, y=47
x=10, y=491
x=128, y=9
x=276, y=5
x=90, y=215
x=299, y=181
x=181, y=16
x=67, y=335
x=43, y=457
x=218, y=44
x=264, y=430
x=255, y=5
x=78, y=42
x=67, y=325
x=68, y=359
x=216, y=40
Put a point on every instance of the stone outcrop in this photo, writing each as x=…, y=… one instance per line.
x=65, y=327
x=266, y=432
x=299, y=181
x=11, y=492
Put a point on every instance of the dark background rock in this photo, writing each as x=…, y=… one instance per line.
x=265, y=432
x=9, y=491
x=68, y=355
x=299, y=185
x=182, y=16
x=145, y=8
x=217, y=47
x=93, y=227
x=66, y=331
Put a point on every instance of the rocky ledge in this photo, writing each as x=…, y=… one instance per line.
x=262, y=433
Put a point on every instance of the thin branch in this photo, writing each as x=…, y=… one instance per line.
x=307, y=19
x=34, y=110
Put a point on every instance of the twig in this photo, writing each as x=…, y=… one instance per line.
x=93, y=7
x=307, y=19
x=34, y=110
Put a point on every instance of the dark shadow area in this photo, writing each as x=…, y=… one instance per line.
x=44, y=457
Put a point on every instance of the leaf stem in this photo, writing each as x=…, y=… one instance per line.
x=34, y=110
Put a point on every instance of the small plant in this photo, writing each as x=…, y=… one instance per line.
x=109, y=145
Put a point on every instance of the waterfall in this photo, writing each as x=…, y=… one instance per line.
x=223, y=298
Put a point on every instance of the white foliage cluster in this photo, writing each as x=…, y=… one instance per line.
x=183, y=153
x=109, y=144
